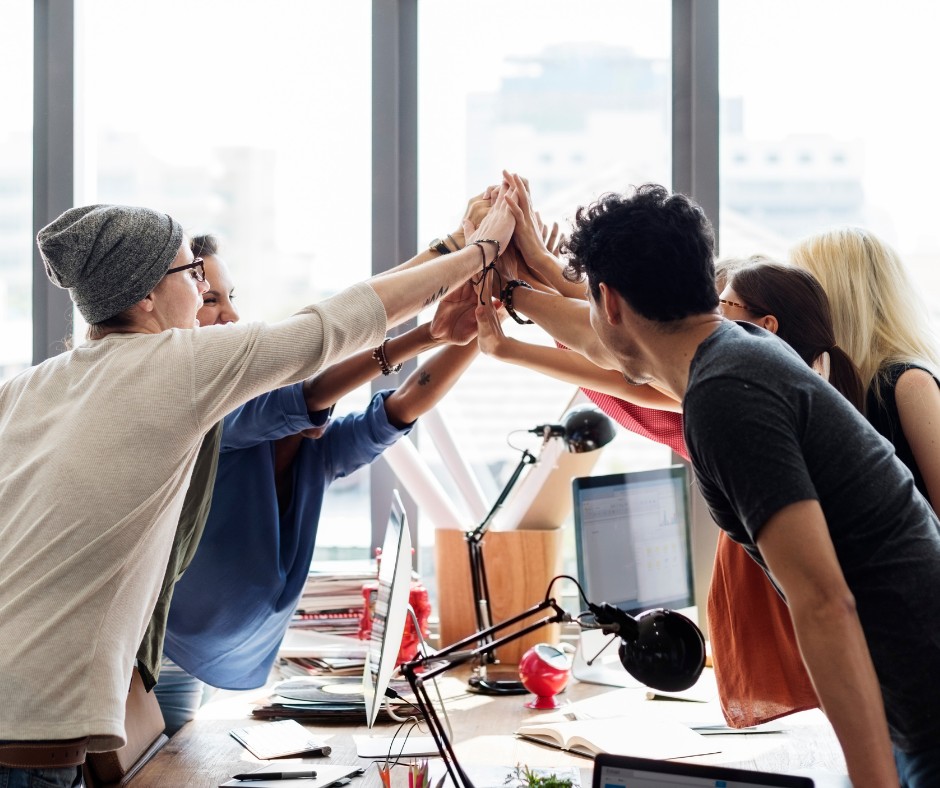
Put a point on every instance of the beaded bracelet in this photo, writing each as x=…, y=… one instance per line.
x=379, y=355
x=506, y=297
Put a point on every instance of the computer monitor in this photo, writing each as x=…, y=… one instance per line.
x=633, y=539
x=619, y=771
x=391, y=609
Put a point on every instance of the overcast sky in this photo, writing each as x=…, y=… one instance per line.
x=294, y=75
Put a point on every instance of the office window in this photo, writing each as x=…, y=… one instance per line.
x=251, y=120
x=16, y=186
x=843, y=94
x=575, y=96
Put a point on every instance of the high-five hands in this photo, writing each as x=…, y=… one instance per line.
x=498, y=224
x=529, y=235
x=454, y=322
x=490, y=334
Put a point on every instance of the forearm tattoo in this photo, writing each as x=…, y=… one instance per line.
x=435, y=296
x=424, y=378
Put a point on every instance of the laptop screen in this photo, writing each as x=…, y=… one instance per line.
x=633, y=539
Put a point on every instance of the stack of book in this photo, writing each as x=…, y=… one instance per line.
x=332, y=601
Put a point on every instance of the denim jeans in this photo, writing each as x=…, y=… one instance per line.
x=179, y=695
x=919, y=769
x=40, y=778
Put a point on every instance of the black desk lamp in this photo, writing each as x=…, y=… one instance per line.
x=660, y=648
x=583, y=429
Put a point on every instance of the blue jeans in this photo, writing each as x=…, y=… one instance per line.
x=40, y=778
x=179, y=695
x=919, y=769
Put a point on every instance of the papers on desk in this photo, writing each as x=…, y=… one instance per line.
x=326, y=776
x=639, y=737
x=279, y=740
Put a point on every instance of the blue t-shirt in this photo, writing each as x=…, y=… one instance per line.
x=231, y=608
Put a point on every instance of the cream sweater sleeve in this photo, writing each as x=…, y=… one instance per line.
x=235, y=363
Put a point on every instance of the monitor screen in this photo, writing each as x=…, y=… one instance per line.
x=632, y=536
x=391, y=609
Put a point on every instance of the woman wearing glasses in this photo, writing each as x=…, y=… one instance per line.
x=97, y=446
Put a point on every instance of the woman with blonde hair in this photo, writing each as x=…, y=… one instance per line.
x=883, y=324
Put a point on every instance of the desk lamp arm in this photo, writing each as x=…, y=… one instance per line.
x=457, y=654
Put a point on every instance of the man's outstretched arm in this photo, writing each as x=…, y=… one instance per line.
x=798, y=550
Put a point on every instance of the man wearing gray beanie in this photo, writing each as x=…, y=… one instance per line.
x=97, y=446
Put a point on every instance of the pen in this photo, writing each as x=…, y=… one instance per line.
x=275, y=775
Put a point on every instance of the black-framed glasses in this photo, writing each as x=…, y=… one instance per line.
x=196, y=268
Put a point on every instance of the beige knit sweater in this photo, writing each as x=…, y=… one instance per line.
x=96, y=449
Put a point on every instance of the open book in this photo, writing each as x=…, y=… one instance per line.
x=640, y=737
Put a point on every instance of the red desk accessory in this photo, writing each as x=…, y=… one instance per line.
x=544, y=670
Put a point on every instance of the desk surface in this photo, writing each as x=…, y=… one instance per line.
x=203, y=755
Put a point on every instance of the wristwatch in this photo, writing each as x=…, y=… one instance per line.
x=437, y=245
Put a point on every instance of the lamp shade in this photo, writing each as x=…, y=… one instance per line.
x=667, y=653
x=587, y=429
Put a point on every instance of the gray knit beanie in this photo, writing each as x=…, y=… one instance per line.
x=108, y=256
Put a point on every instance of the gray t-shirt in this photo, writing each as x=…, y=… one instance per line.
x=765, y=431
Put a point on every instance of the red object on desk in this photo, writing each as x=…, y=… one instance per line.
x=544, y=670
x=417, y=598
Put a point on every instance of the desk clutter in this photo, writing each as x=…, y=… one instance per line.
x=332, y=601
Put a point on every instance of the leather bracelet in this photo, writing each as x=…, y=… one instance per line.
x=480, y=243
x=379, y=355
x=506, y=297
x=457, y=246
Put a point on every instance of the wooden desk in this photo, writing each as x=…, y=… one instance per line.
x=203, y=755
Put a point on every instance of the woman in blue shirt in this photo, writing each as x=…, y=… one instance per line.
x=279, y=453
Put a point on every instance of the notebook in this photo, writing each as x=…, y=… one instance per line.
x=644, y=737
x=326, y=776
x=279, y=740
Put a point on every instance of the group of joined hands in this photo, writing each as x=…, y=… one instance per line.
x=504, y=214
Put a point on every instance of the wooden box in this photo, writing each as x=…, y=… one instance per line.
x=519, y=566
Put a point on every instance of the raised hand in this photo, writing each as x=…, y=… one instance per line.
x=528, y=231
x=454, y=322
x=498, y=224
x=490, y=334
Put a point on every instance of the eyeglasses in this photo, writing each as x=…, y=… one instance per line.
x=733, y=303
x=196, y=269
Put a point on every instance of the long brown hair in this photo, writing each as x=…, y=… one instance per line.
x=804, y=318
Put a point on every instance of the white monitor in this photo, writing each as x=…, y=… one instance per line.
x=391, y=610
x=633, y=539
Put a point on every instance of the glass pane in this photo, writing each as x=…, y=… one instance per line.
x=252, y=121
x=575, y=96
x=828, y=118
x=16, y=186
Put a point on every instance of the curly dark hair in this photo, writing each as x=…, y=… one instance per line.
x=656, y=249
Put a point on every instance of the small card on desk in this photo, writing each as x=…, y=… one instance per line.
x=326, y=776
x=279, y=740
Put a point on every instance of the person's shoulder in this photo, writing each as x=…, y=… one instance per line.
x=913, y=385
x=742, y=350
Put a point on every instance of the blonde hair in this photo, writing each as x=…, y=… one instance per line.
x=878, y=317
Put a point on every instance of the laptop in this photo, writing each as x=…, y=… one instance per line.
x=620, y=771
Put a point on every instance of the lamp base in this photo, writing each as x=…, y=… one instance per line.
x=544, y=702
x=499, y=687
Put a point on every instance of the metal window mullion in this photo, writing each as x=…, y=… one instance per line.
x=53, y=160
x=695, y=107
x=394, y=194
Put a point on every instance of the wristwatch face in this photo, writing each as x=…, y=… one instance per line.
x=433, y=246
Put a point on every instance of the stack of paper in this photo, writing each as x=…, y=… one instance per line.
x=332, y=599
